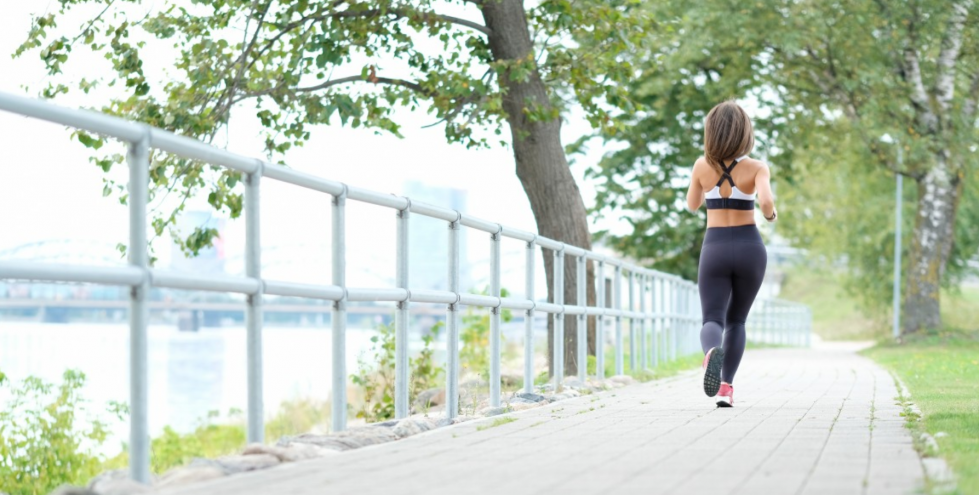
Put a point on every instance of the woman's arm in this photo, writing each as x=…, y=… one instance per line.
x=763, y=185
x=695, y=195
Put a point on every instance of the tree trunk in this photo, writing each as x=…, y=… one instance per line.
x=934, y=234
x=542, y=166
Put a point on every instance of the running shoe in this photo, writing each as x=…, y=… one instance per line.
x=725, y=396
x=712, y=370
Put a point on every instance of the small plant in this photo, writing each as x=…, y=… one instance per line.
x=41, y=443
x=542, y=378
x=377, y=379
x=474, y=337
x=496, y=422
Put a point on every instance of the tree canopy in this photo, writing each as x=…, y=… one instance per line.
x=304, y=63
x=829, y=79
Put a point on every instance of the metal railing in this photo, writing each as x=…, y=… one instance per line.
x=779, y=322
x=664, y=325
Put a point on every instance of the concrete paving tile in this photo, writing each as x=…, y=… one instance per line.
x=803, y=420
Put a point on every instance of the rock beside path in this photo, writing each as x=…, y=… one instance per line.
x=297, y=448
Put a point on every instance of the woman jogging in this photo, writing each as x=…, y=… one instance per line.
x=733, y=257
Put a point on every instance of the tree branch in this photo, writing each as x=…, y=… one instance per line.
x=414, y=86
x=403, y=13
x=912, y=74
x=951, y=45
x=92, y=22
x=241, y=63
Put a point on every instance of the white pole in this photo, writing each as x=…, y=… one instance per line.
x=897, y=247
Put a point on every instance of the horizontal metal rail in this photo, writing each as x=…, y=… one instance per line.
x=663, y=325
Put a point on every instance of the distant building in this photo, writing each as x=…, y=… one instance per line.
x=428, y=240
x=210, y=261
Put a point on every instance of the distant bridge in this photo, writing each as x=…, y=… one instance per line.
x=30, y=303
x=192, y=315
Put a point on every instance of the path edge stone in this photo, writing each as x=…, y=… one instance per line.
x=939, y=475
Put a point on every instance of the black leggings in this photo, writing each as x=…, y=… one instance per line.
x=732, y=267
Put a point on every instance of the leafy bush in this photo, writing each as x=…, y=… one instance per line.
x=210, y=439
x=376, y=377
x=217, y=436
x=41, y=446
x=474, y=337
x=297, y=416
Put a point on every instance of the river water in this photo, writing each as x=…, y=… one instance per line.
x=190, y=373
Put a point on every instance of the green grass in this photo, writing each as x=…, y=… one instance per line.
x=496, y=422
x=662, y=370
x=960, y=309
x=941, y=372
x=836, y=315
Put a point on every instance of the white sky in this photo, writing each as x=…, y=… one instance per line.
x=49, y=190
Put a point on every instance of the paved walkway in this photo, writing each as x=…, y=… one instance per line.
x=805, y=422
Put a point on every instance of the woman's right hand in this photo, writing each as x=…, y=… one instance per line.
x=766, y=200
x=773, y=217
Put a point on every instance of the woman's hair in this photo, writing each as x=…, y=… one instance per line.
x=728, y=134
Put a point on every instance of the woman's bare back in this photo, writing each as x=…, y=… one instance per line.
x=744, y=175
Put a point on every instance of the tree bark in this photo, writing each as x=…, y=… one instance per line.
x=541, y=164
x=934, y=234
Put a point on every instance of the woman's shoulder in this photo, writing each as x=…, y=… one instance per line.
x=755, y=164
x=701, y=164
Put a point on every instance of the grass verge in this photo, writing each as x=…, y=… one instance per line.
x=837, y=316
x=496, y=422
x=941, y=372
x=662, y=370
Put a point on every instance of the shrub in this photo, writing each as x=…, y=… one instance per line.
x=41, y=446
x=376, y=377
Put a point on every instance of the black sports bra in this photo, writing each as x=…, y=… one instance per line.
x=737, y=200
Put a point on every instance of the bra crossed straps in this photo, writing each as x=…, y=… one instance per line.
x=737, y=201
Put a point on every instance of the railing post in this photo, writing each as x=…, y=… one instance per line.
x=619, y=361
x=582, y=300
x=339, y=317
x=694, y=316
x=808, y=327
x=528, y=346
x=790, y=322
x=558, y=318
x=686, y=320
x=632, y=321
x=402, y=406
x=787, y=327
x=494, y=377
x=685, y=323
x=253, y=313
x=660, y=297
x=139, y=437
x=675, y=311
x=452, y=325
x=654, y=317
x=766, y=322
x=688, y=309
x=642, y=321
x=600, y=322
x=796, y=320
x=681, y=295
x=800, y=339
x=780, y=321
